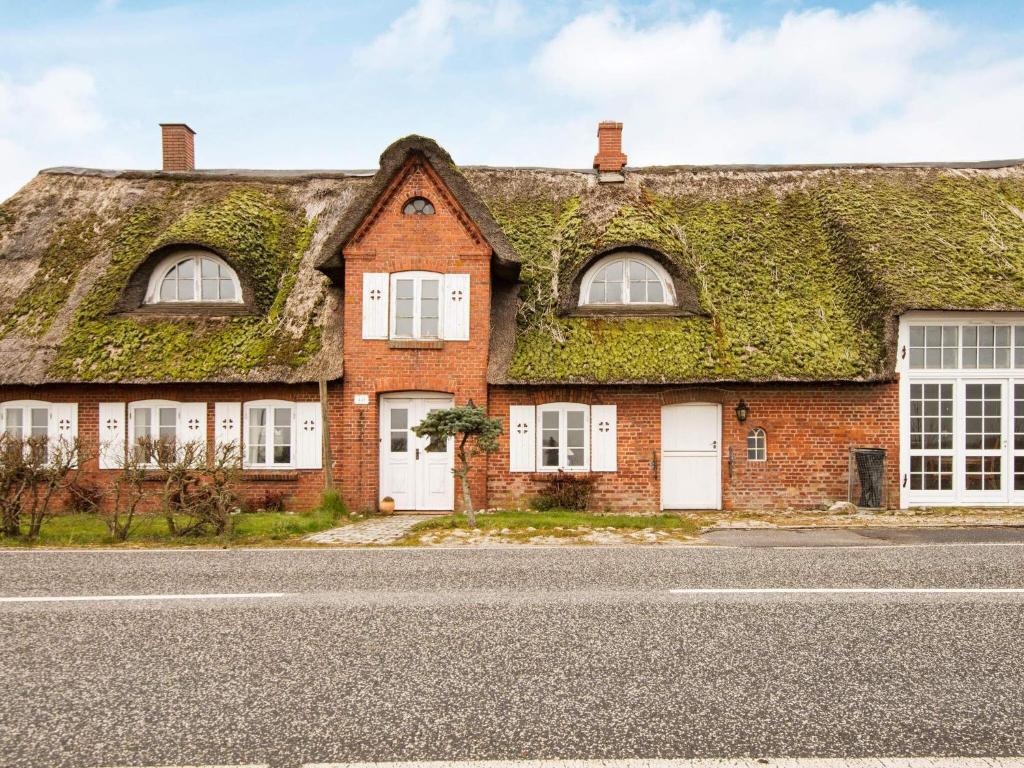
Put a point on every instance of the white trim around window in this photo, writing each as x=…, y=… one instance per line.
x=626, y=278
x=961, y=408
x=417, y=305
x=193, y=277
x=563, y=437
x=156, y=420
x=23, y=419
x=37, y=418
x=269, y=434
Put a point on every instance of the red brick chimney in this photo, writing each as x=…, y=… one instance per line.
x=609, y=158
x=179, y=147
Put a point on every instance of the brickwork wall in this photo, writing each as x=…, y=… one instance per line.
x=302, y=488
x=810, y=430
x=389, y=242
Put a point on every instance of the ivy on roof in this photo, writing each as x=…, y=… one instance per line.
x=800, y=281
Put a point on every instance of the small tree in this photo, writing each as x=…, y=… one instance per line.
x=475, y=434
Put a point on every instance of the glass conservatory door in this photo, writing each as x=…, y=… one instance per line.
x=983, y=442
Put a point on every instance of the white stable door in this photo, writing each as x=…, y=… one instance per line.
x=416, y=474
x=691, y=464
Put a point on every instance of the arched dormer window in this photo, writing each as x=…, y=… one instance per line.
x=418, y=206
x=627, y=278
x=196, y=277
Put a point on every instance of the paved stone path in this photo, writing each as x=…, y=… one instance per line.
x=376, y=530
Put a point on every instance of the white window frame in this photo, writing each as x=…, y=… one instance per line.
x=196, y=256
x=667, y=288
x=268, y=463
x=25, y=407
x=418, y=277
x=760, y=447
x=153, y=406
x=563, y=449
x=958, y=377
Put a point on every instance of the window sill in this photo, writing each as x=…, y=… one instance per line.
x=268, y=475
x=415, y=344
x=544, y=474
x=189, y=309
x=629, y=310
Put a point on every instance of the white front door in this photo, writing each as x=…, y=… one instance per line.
x=415, y=474
x=691, y=464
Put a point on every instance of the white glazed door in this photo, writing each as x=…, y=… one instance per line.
x=691, y=462
x=397, y=469
x=435, y=484
x=415, y=474
x=984, y=441
x=1016, y=468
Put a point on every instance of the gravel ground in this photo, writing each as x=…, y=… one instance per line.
x=501, y=654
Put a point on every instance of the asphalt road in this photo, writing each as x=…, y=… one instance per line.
x=508, y=654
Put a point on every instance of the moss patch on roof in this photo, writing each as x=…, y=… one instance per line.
x=72, y=246
x=257, y=231
x=802, y=275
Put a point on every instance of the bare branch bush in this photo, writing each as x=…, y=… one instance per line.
x=33, y=472
x=126, y=493
x=198, y=494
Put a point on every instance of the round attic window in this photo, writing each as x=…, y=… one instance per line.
x=419, y=206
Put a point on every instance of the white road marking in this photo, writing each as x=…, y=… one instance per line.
x=849, y=591
x=739, y=762
x=112, y=598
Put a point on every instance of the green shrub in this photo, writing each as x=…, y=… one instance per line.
x=332, y=503
x=564, y=491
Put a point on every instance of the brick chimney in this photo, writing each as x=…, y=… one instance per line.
x=609, y=160
x=179, y=147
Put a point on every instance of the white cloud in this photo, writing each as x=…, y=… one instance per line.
x=62, y=103
x=889, y=82
x=53, y=114
x=425, y=35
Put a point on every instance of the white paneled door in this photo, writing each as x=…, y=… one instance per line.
x=691, y=440
x=416, y=474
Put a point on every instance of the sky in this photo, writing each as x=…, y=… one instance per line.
x=330, y=83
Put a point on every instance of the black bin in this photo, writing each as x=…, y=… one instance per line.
x=871, y=473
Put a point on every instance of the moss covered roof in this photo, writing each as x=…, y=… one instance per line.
x=800, y=273
x=70, y=241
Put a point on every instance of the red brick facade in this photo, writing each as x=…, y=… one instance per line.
x=810, y=428
x=388, y=242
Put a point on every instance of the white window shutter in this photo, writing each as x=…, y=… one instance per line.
x=308, y=436
x=375, y=305
x=603, y=438
x=456, y=307
x=192, y=425
x=521, y=441
x=63, y=422
x=112, y=435
x=227, y=425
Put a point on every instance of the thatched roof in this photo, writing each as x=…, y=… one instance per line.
x=797, y=273
x=801, y=272
x=71, y=239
